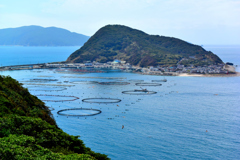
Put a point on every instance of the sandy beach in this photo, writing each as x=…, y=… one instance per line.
x=208, y=75
x=190, y=75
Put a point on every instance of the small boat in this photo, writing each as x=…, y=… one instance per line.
x=164, y=80
x=141, y=90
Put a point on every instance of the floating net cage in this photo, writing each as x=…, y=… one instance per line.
x=101, y=100
x=162, y=80
x=44, y=76
x=94, y=77
x=73, y=98
x=40, y=84
x=148, y=84
x=37, y=71
x=139, y=92
x=46, y=89
x=136, y=80
x=114, y=83
x=84, y=82
x=78, y=112
x=41, y=80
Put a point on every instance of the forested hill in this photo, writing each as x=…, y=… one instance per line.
x=138, y=48
x=39, y=36
x=28, y=130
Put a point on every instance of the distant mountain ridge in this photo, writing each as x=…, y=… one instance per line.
x=138, y=48
x=40, y=36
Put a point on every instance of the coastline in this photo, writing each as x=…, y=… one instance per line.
x=237, y=74
x=229, y=71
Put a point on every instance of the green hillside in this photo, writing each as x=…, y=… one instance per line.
x=40, y=36
x=28, y=130
x=138, y=48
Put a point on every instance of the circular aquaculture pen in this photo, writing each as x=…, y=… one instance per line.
x=136, y=80
x=47, y=89
x=101, y=100
x=84, y=82
x=77, y=112
x=40, y=79
x=94, y=77
x=162, y=80
x=55, y=85
x=139, y=92
x=148, y=84
x=114, y=83
x=58, y=98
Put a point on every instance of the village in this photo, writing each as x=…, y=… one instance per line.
x=123, y=66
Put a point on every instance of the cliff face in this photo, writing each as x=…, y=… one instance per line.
x=28, y=130
x=39, y=36
x=138, y=48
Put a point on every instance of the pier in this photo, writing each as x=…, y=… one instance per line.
x=23, y=66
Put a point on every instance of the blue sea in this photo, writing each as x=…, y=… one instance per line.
x=188, y=117
x=18, y=55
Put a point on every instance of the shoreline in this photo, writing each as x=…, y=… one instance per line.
x=230, y=69
x=237, y=74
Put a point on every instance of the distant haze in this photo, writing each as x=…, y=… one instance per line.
x=39, y=36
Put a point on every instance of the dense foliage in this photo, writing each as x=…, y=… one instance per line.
x=39, y=36
x=28, y=130
x=138, y=48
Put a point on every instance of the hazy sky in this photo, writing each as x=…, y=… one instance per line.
x=195, y=21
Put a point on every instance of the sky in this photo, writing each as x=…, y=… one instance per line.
x=196, y=21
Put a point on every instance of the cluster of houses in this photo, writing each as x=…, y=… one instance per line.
x=116, y=64
x=211, y=69
x=122, y=65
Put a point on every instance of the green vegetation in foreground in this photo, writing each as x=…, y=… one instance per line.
x=28, y=130
x=138, y=48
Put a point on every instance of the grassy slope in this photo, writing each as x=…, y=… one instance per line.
x=28, y=130
x=138, y=48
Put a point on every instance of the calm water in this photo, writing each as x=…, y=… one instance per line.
x=228, y=53
x=17, y=55
x=188, y=118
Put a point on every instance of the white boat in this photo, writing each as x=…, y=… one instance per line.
x=141, y=90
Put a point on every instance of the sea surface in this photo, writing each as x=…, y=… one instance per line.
x=188, y=117
x=18, y=55
x=228, y=53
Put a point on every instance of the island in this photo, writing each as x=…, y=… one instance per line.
x=126, y=49
x=40, y=36
x=140, y=49
x=29, y=131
